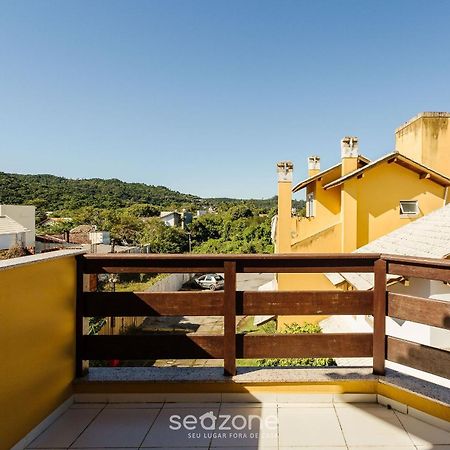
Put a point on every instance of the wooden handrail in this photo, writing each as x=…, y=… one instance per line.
x=231, y=302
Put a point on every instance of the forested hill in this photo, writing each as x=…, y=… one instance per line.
x=53, y=193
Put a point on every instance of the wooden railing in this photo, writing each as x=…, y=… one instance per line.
x=426, y=311
x=230, y=302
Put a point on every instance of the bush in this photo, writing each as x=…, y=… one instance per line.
x=295, y=328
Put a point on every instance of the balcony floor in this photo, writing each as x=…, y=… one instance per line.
x=298, y=425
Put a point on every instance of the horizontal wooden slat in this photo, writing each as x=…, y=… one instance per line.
x=418, y=356
x=155, y=346
x=421, y=310
x=130, y=304
x=419, y=270
x=192, y=346
x=304, y=345
x=304, y=302
x=289, y=263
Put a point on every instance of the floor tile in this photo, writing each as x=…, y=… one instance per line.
x=117, y=428
x=305, y=426
x=433, y=447
x=371, y=425
x=246, y=427
x=422, y=433
x=383, y=447
x=191, y=405
x=288, y=397
x=65, y=429
x=169, y=430
x=88, y=405
x=150, y=405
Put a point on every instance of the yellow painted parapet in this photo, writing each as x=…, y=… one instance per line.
x=37, y=338
x=284, y=222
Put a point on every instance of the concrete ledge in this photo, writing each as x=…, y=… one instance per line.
x=41, y=257
x=245, y=375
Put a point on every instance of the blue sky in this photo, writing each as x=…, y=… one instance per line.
x=206, y=96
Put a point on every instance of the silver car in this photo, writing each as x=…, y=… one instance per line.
x=211, y=281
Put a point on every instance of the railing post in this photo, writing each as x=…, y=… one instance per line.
x=379, y=317
x=229, y=319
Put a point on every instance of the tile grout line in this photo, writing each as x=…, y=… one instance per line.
x=401, y=423
x=151, y=426
x=87, y=426
x=340, y=425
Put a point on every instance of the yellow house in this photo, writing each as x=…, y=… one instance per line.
x=357, y=200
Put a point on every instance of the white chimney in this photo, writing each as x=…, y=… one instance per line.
x=349, y=147
x=313, y=165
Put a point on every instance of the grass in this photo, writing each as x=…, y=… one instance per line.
x=138, y=286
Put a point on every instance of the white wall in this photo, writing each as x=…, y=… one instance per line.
x=173, y=282
x=25, y=215
x=7, y=241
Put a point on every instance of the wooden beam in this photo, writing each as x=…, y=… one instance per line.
x=229, y=319
x=304, y=302
x=419, y=270
x=379, y=318
x=418, y=356
x=320, y=345
x=133, y=304
x=435, y=313
x=153, y=346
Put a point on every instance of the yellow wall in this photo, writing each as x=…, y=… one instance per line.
x=327, y=205
x=378, y=199
x=37, y=339
x=352, y=215
x=426, y=139
x=283, y=240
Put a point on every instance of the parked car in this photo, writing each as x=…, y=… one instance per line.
x=211, y=281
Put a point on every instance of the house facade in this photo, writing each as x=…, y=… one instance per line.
x=17, y=226
x=357, y=200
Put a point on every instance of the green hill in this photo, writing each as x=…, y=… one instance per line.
x=52, y=193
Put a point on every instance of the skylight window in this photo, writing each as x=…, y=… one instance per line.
x=409, y=207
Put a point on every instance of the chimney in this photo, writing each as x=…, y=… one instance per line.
x=313, y=165
x=283, y=233
x=349, y=154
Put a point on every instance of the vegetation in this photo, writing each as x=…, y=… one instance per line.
x=295, y=328
x=246, y=326
x=14, y=252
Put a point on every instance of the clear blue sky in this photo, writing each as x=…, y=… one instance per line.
x=205, y=96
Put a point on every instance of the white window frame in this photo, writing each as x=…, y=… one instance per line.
x=310, y=206
x=408, y=213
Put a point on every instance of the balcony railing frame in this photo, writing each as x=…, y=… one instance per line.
x=229, y=303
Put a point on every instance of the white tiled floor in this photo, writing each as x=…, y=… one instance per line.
x=354, y=426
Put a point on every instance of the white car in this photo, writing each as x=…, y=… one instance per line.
x=211, y=281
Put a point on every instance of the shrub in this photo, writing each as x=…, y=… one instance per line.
x=295, y=328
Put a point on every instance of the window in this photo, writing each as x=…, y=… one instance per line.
x=310, y=205
x=409, y=207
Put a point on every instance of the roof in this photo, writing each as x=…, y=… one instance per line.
x=83, y=229
x=427, y=237
x=10, y=226
x=304, y=183
x=400, y=159
x=168, y=213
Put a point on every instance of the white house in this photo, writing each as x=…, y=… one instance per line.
x=170, y=218
x=17, y=226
